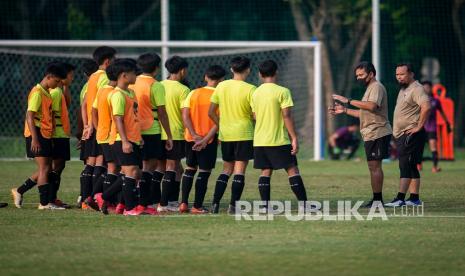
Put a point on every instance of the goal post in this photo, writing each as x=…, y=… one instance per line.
x=300, y=69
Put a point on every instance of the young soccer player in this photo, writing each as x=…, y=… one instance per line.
x=61, y=100
x=60, y=138
x=274, y=126
x=232, y=99
x=88, y=67
x=94, y=164
x=38, y=131
x=101, y=116
x=201, y=140
x=125, y=136
x=151, y=106
x=175, y=94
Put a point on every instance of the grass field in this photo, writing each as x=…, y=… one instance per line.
x=36, y=242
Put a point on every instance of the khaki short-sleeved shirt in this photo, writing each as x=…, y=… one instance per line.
x=375, y=124
x=407, y=111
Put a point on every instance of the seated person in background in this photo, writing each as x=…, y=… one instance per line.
x=343, y=141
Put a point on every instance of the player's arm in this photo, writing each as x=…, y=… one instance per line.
x=163, y=118
x=67, y=94
x=127, y=146
x=441, y=111
x=213, y=113
x=425, y=108
x=201, y=144
x=366, y=105
x=95, y=117
x=87, y=131
x=186, y=118
x=289, y=123
x=35, y=145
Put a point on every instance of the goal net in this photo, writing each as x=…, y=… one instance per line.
x=23, y=67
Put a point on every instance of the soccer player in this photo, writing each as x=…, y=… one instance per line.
x=342, y=140
x=175, y=94
x=201, y=140
x=431, y=125
x=125, y=136
x=274, y=125
x=94, y=164
x=151, y=106
x=60, y=153
x=89, y=67
x=375, y=128
x=230, y=110
x=61, y=100
x=102, y=120
x=410, y=115
x=38, y=131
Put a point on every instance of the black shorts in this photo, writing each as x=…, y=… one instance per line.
x=278, y=157
x=432, y=135
x=82, y=154
x=108, y=154
x=378, y=149
x=93, y=149
x=237, y=151
x=204, y=159
x=153, y=147
x=178, y=151
x=45, y=146
x=61, y=148
x=411, y=146
x=127, y=159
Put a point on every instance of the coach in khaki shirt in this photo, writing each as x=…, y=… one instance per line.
x=374, y=124
x=410, y=114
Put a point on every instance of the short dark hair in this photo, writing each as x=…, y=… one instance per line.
x=368, y=67
x=89, y=66
x=124, y=65
x=148, y=62
x=406, y=64
x=427, y=82
x=111, y=72
x=102, y=53
x=268, y=68
x=68, y=67
x=175, y=64
x=240, y=63
x=215, y=72
x=56, y=69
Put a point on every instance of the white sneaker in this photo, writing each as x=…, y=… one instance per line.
x=413, y=202
x=162, y=209
x=395, y=203
x=173, y=206
x=50, y=206
x=17, y=198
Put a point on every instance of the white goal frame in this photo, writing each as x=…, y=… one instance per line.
x=318, y=131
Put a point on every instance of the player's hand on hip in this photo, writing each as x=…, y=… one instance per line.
x=413, y=130
x=127, y=147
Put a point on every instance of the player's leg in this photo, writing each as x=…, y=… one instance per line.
x=206, y=161
x=167, y=184
x=432, y=141
x=44, y=165
x=221, y=184
x=243, y=152
x=18, y=193
x=188, y=177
